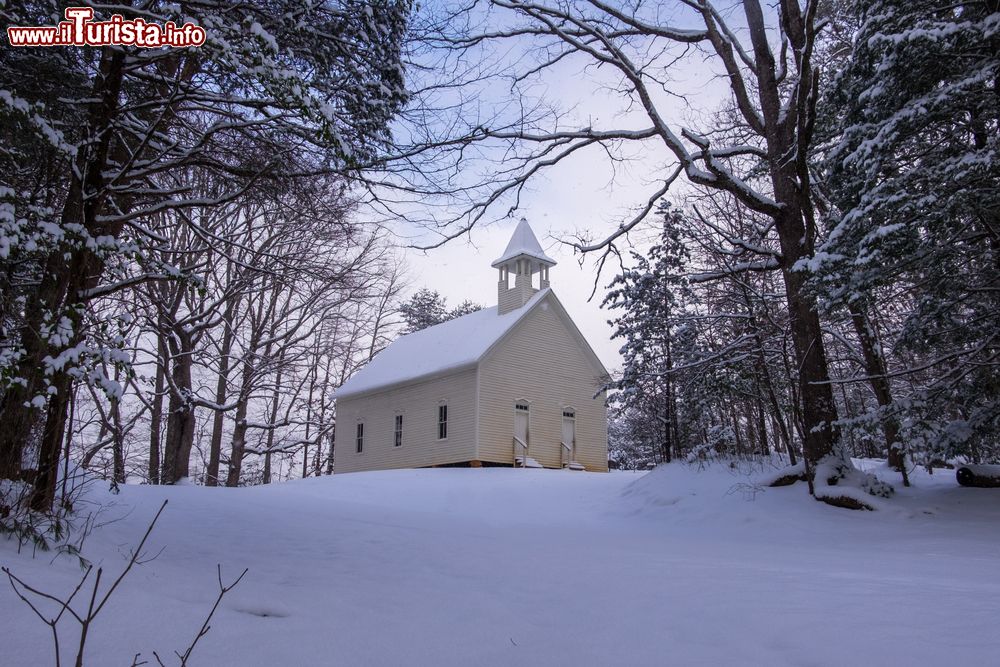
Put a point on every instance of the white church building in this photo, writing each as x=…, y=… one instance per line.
x=515, y=384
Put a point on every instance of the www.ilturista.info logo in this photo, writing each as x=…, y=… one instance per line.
x=79, y=29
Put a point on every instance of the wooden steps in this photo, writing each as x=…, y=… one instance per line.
x=520, y=462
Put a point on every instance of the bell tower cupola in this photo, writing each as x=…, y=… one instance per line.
x=523, y=258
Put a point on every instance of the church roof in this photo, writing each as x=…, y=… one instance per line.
x=450, y=345
x=524, y=242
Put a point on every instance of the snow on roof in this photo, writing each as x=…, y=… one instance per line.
x=447, y=346
x=523, y=242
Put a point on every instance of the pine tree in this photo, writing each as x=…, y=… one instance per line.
x=650, y=297
x=914, y=179
x=465, y=308
x=427, y=307
x=424, y=309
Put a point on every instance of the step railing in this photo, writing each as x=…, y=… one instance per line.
x=524, y=447
x=567, y=453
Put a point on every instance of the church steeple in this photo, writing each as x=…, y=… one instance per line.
x=524, y=257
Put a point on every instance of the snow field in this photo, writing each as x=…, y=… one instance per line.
x=537, y=567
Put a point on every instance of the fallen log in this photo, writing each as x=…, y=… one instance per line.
x=784, y=477
x=846, y=502
x=982, y=476
x=788, y=479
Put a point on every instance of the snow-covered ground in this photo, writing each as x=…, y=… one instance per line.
x=537, y=567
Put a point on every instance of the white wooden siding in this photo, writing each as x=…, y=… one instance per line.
x=541, y=361
x=418, y=403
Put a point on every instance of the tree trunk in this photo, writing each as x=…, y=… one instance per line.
x=181, y=417
x=275, y=399
x=787, y=135
x=238, y=446
x=114, y=426
x=849, y=415
x=44, y=491
x=84, y=271
x=778, y=417
x=305, y=448
x=67, y=448
x=765, y=446
x=322, y=417
x=221, y=386
x=62, y=283
x=819, y=411
x=875, y=367
x=333, y=446
x=670, y=405
x=240, y=427
x=117, y=443
x=156, y=412
x=313, y=376
x=737, y=433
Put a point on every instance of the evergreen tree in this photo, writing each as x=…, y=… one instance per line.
x=427, y=307
x=914, y=180
x=650, y=296
x=465, y=308
x=424, y=309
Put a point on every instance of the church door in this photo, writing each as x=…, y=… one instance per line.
x=521, y=426
x=569, y=435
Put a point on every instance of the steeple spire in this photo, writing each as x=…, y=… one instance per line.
x=524, y=255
